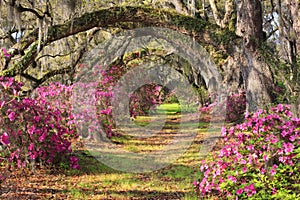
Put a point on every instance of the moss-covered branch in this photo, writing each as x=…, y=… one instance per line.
x=115, y=17
x=23, y=64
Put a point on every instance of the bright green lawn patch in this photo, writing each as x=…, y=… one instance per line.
x=169, y=109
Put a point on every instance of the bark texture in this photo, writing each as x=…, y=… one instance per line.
x=256, y=74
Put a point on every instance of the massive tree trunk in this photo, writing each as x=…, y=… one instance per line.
x=256, y=74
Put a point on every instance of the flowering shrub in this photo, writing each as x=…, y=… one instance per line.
x=145, y=98
x=235, y=106
x=140, y=101
x=32, y=130
x=99, y=107
x=104, y=96
x=260, y=158
x=57, y=96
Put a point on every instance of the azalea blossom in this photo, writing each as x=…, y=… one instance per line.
x=12, y=116
x=4, y=51
x=243, y=162
x=232, y=178
x=5, y=139
x=239, y=191
x=288, y=147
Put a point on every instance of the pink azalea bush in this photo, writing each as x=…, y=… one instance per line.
x=235, y=106
x=104, y=96
x=32, y=131
x=94, y=115
x=58, y=96
x=146, y=98
x=139, y=104
x=260, y=158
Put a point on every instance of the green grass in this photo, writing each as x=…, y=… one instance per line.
x=168, y=109
x=164, y=183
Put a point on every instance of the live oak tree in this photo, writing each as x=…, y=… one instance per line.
x=253, y=42
x=267, y=27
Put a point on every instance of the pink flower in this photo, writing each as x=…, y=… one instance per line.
x=195, y=183
x=283, y=133
x=280, y=151
x=43, y=136
x=272, y=172
x=106, y=111
x=74, y=162
x=239, y=191
x=31, y=130
x=288, y=147
x=265, y=157
x=7, y=83
x=293, y=138
x=250, y=190
x=262, y=171
x=243, y=162
x=280, y=107
x=238, y=155
x=282, y=159
x=12, y=116
x=274, y=166
x=232, y=178
x=250, y=160
x=250, y=147
x=31, y=147
x=223, y=132
x=37, y=118
x=2, y=104
x=5, y=139
x=34, y=155
x=206, y=173
x=5, y=53
x=221, y=180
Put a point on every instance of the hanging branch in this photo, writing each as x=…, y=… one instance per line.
x=21, y=9
x=38, y=82
x=40, y=27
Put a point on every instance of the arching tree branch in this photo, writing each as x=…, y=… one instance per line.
x=112, y=17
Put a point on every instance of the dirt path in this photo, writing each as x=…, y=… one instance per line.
x=97, y=181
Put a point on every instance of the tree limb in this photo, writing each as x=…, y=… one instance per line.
x=111, y=17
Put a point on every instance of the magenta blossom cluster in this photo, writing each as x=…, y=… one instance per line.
x=58, y=96
x=259, y=156
x=140, y=101
x=235, y=106
x=145, y=99
x=92, y=116
x=32, y=131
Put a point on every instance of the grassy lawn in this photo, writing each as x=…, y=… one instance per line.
x=97, y=181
